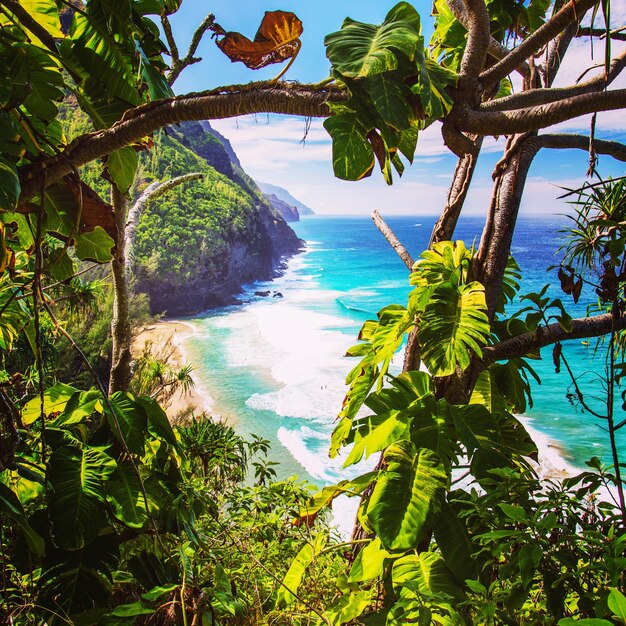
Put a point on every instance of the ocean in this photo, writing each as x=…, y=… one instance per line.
x=275, y=363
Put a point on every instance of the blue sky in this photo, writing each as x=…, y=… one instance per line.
x=271, y=148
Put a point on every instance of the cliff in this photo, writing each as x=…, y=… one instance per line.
x=200, y=243
x=286, y=197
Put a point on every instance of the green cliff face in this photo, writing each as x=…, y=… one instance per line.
x=199, y=243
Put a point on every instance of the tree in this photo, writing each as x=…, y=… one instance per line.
x=385, y=87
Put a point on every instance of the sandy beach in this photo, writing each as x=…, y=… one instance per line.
x=167, y=338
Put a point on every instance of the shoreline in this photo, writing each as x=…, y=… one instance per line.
x=168, y=337
x=552, y=464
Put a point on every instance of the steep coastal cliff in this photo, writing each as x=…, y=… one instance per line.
x=198, y=245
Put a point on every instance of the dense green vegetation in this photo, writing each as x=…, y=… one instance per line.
x=111, y=516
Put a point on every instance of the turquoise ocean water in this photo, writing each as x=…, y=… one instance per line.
x=275, y=364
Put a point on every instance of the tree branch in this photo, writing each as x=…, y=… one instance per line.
x=286, y=98
x=478, y=36
x=537, y=117
x=571, y=12
x=561, y=142
x=536, y=97
x=390, y=236
x=617, y=33
x=178, y=64
x=548, y=335
x=152, y=192
x=494, y=47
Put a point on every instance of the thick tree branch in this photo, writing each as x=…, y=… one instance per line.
x=445, y=225
x=548, y=335
x=562, y=142
x=571, y=12
x=152, y=192
x=537, y=117
x=478, y=36
x=535, y=97
x=287, y=98
x=390, y=236
x=494, y=47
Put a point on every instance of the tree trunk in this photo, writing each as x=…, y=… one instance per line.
x=120, y=324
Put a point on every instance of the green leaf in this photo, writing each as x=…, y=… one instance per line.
x=125, y=496
x=94, y=245
x=453, y=326
x=131, y=610
x=9, y=186
x=359, y=49
x=132, y=421
x=11, y=506
x=122, y=166
x=46, y=14
x=617, y=604
x=369, y=562
x=77, y=498
x=286, y=592
x=158, y=423
x=586, y=621
x=390, y=98
x=407, y=496
x=353, y=157
x=427, y=573
x=158, y=87
x=348, y=607
x=55, y=399
x=455, y=545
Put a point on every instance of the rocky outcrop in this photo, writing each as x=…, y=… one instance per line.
x=288, y=211
x=285, y=196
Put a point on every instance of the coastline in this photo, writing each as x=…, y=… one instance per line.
x=168, y=337
x=552, y=459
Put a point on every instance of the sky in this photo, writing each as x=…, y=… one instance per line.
x=283, y=151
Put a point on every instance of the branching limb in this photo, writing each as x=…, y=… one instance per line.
x=152, y=192
x=547, y=335
x=537, y=117
x=570, y=13
x=536, y=97
x=445, y=225
x=390, y=236
x=478, y=37
x=287, y=98
x=178, y=64
x=494, y=47
x=581, y=142
x=618, y=34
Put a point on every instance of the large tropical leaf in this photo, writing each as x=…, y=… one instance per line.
x=54, y=400
x=353, y=156
x=77, y=498
x=360, y=50
x=426, y=573
x=453, y=326
x=130, y=423
x=11, y=506
x=406, y=496
x=125, y=496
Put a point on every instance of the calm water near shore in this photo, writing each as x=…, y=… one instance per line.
x=276, y=362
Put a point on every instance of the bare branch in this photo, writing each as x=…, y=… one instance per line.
x=390, y=236
x=152, y=192
x=570, y=13
x=537, y=117
x=178, y=64
x=445, y=225
x=561, y=142
x=494, y=48
x=617, y=34
x=232, y=101
x=547, y=335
